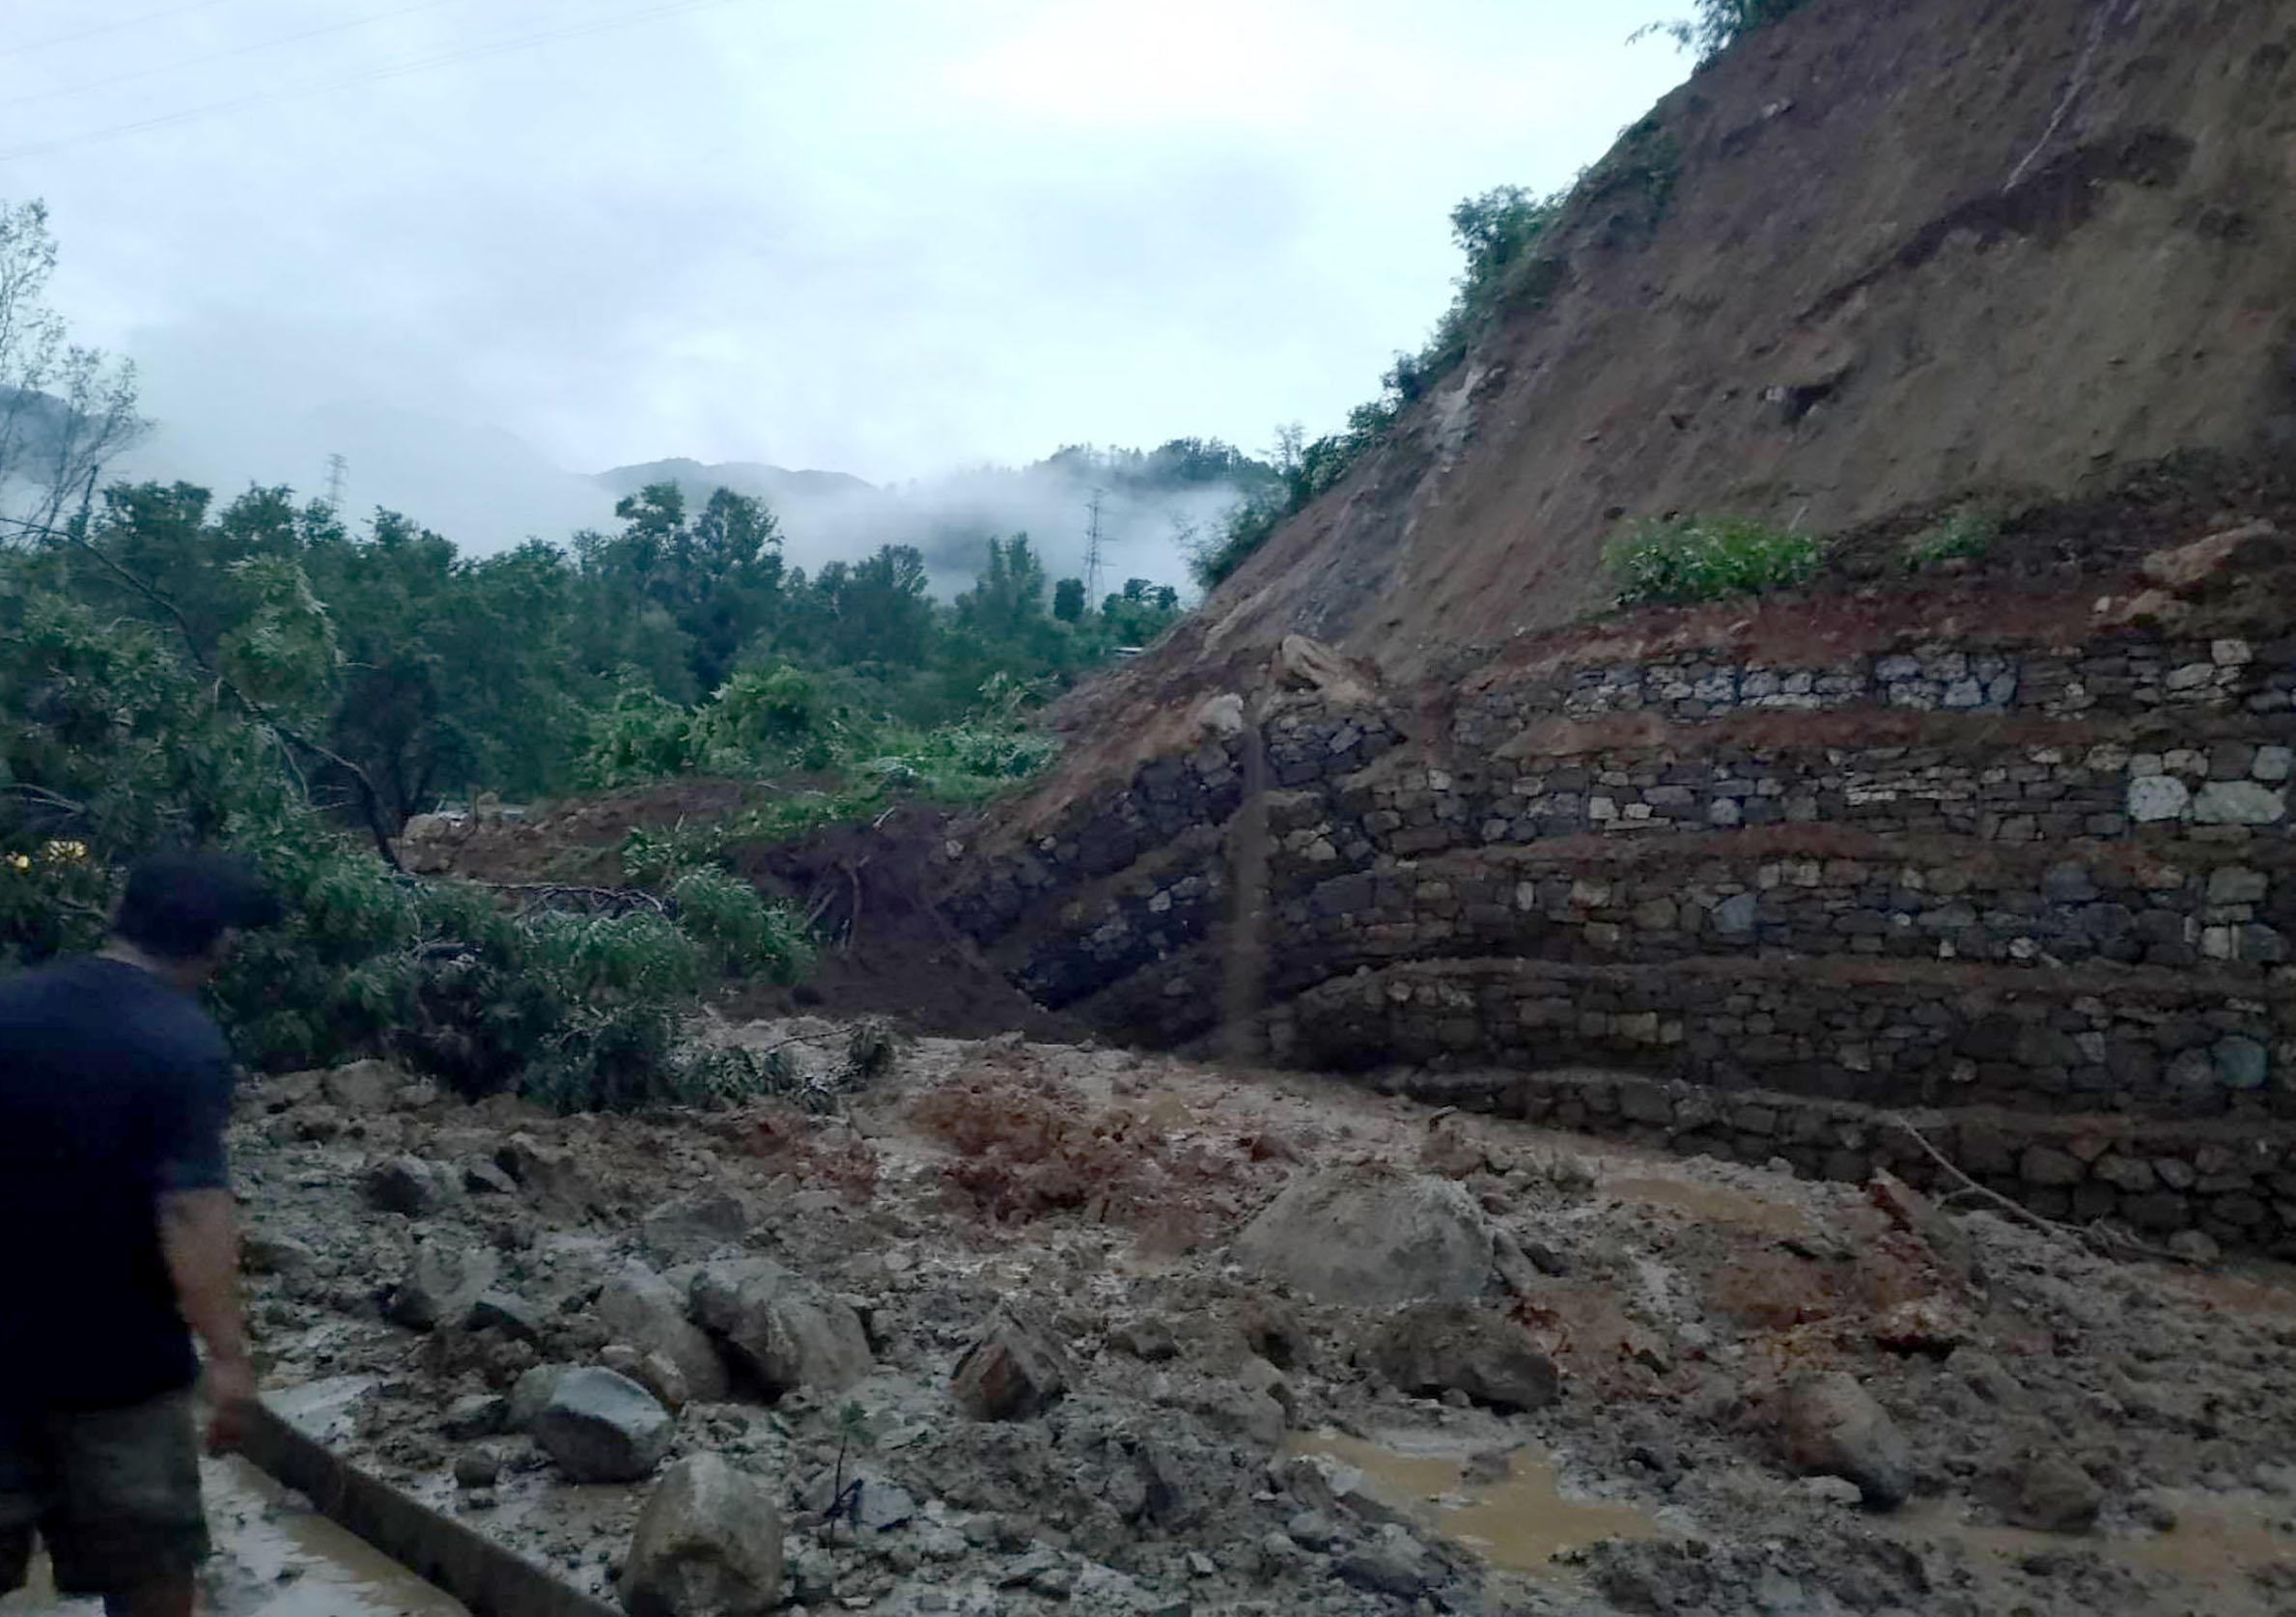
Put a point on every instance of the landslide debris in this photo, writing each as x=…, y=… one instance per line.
x=928, y=1401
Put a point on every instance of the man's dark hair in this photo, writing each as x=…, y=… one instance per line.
x=178, y=904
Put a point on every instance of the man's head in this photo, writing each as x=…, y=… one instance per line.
x=181, y=911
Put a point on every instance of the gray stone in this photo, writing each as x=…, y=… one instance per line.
x=1312, y=1530
x=362, y=1086
x=477, y=1468
x=2240, y=802
x=407, y=1184
x=693, y=1226
x=2196, y=1247
x=2068, y=884
x=1366, y=1235
x=477, y=1415
x=780, y=1327
x=441, y=1285
x=1146, y=1338
x=531, y=1394
x=1735, y=915
x=1833, y=1427
x=2157, y=798
x=2056, y=1496
x=600, y=1427
x=1391, y=1562
x=2043, y=1164
x=484, y=1179
x=267, y=1252
x=2273, y=764
x=708, y=1544
x=1016, y=1370
x=1434, y=1348
x=641, y=1308
x=2240, y=1062
x=508, y=1312
x=2237, y=885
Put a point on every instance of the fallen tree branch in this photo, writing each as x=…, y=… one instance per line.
x=559, y=889
x=2097, y=1237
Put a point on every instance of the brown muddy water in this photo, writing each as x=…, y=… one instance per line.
x=1519, y=1523
x=275, y=1559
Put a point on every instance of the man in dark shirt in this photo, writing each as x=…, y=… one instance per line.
x=115, y=1236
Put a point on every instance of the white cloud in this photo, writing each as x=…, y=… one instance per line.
x=884, y=236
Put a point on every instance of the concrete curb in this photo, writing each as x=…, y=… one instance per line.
x=488, y=1578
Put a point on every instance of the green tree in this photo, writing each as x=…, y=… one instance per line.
x=1068, y=601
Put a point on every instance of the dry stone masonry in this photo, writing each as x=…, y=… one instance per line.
x=2034, y=883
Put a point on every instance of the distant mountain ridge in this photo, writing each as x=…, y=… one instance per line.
x=769, y=482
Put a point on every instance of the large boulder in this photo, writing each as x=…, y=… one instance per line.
x=1434, y=1348
x=780, y=1327
x=1015, y=1371
x=600, y=1427
x=441, y=1285
x=707, y=1544
x=1834, y=1428
x=641, y=1308
x=693, y=1226
x=1367, y=1235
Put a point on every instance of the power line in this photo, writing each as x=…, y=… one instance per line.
x=675, y=8
x=344, y=26
x=1092, y=563
x=101, y=29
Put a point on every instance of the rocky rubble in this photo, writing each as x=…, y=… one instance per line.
x=1037, y=1329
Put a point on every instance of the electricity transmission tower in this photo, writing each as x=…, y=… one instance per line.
x=1093, y=579
x=338, y=468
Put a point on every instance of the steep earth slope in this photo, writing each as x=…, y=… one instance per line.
x=2008, y=842
x=1876, y=256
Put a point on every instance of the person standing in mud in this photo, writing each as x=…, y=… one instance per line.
x=115, y=1243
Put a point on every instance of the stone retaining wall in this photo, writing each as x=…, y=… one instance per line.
x=2054, y=880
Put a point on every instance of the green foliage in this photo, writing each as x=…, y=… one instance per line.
x=1719, y=24
x=1963, y=534
x=1705, y=558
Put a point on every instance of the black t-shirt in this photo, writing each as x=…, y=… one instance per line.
x=114, y=1088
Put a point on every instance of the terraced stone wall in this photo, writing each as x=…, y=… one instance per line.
x=1999, y=873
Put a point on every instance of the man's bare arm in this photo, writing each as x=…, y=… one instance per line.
x=196, y=1234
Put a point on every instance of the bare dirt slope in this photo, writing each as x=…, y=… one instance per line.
x=1905, y=251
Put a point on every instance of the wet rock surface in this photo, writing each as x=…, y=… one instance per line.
x=708, y=1544
x=2076, y=1433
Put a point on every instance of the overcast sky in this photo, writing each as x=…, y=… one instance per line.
x=884, y=236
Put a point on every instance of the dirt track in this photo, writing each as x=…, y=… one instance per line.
x=1676, y=1298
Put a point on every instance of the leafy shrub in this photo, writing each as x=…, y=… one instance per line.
x=1719, y=24
x=1704, y=558
x=1965, y=534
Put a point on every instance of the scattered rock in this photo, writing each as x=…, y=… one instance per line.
x=531, y=1394
x=708, y=1544
x=1366, y=1235
x=407, y=1184
x=478, y=1414
x=1434, y=1348
x=2055, y=1495
x=641, y=1308
x=1833, y=1426
x=1016, y=1370
x=1485, y=1467
x=267, y=1252
x=1147, y=1338
x=600, y=1427
x=2196, y=1247
x=1923, y=1325
x=1986, y=1377
x=552, y=1177
x=781, y=1328
x=362, y=1086
x=1391, y=1562
x=1311, y=1529
x=694, y=1226
x=508, y=1312
x=477, y=1468
x=485, y=1179
x=1921, y=1217
x=441, y=1285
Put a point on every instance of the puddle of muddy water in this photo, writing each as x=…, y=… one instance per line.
x=272, y=1561
x=1519, y=1523
x=2217, y=1543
